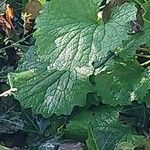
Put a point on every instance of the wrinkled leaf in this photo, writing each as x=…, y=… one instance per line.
x=75, y=38
x=47, y=90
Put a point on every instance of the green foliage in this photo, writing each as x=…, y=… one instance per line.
x=104, y=140
x=105, y=117
x=61, y=80
x=77, y=53
x=122, y=82
x=146, y=6
x=104, y=130
x=75, y=38
x=54, y=91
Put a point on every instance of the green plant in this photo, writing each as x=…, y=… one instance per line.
x=77, y=53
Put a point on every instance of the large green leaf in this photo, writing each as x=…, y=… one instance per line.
x=48, y=90
x=58, y=81
x=74, y=36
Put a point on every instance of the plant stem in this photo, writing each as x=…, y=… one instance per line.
x=15, y=44
x=145, y=63
x=145, y=56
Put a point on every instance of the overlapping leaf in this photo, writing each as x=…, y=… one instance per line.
x=104, y=130
x=104, y=140
x=146, y=6
x=121, y=83
x=104, y=117
x=138, y=39
x=74, y=39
